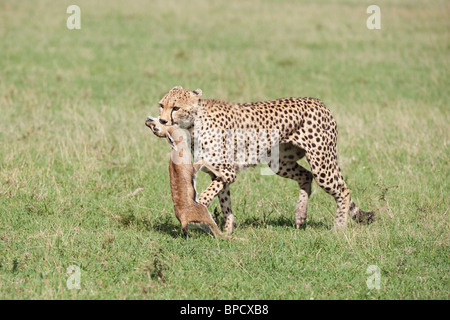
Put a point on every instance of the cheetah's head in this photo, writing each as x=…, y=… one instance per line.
x=179, y=106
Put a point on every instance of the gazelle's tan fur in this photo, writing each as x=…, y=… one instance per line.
x=182, y=181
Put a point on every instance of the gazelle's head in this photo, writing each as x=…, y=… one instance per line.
x=174, y=134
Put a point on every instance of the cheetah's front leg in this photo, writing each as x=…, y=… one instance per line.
x=220, y=186
x=225, y=206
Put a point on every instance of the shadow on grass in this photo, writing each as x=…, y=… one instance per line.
x=166, y=224
x=256, y=222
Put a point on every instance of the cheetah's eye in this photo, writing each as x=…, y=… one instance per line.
x=161, y=106
x=176, y=108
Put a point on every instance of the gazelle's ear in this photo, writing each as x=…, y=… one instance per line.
x=171, y=141
x=198, y=92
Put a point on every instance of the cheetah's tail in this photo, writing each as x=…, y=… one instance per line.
x=361, y=216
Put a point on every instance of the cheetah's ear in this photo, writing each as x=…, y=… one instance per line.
x=198, y=92
x=176, y=88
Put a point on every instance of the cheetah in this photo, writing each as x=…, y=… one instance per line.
x=233, y=136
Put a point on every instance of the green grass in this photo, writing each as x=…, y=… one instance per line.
x=73, y=145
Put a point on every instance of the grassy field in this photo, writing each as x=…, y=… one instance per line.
x=73, y=147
